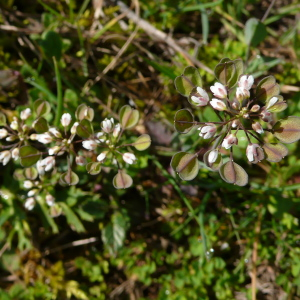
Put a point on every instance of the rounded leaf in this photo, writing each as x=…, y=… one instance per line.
x=287, y=130
x=41, y=107
x=31, y=173
x=255, y=32
x=266, y=89
x=183, y=121
x=275, y=152
x=190, y=79
x=93, y=168
x=129, y=117
x=29, y=156
x=226, y=73
x=233, y=173
x=215, y=166
x=84, y=128
x=122, y=180
x=142, y=142
x=2, y=119
x=69, y=178
x=186, y=165
x=41, y=125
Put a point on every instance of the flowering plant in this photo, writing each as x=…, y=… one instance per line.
x=239, y=107
x=38, y=146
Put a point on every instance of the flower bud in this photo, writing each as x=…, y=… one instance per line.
x=25, y=114
x=55, y=132
x=54, y=150
x=44, y=138
x=29, y=203
x=3, y=133
x=50, y=200
x=218, y=104
x=235, y=123
x=48, y=163
x=11, y=138
x=117, y=130
x=257, y=127
x=255, y=108
x=15, y=153
x=101, y=156
x=5, y=157
x=65, y=119
x=32, y=192
x=33, y=137
x=28, y=184
x=73, y=128
x=201, y=98
x=129, y=158
x=213, y=155
x=89, y=144
x=229, y=141
x=246, y=82
x=254, y=153
x=219, y=90
x=107, y=125
x=14, y=125
x=266, y=116
x=80, y=160
x=100, y=136
x=208, y=130
x=272, y=101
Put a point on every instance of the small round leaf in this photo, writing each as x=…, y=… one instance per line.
x=41, y=107
x=29, y=156
x=275, y=152
x=2, y=119
x=186, y=165
x=122, y=180
x=183, y=121
x=233, y=173
x=287, y=130
x=142, y=142
x=93, y=168
x=69, y=178
x=85, y=128
x=266, y=89
x=129, y=117
x=41, y=125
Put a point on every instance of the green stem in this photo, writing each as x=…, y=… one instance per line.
x=60, y=102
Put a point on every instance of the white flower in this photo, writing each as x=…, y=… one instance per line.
x=89, y=144
x=242, y=94
x=25, y=114
x=246, y=82
x=11, y=138
x=54, y=150
x=40, y=167
x=14, y=125
x=212, y=156
x=218, y=104
x=229, y=141
x=257, y=127
x=5, y=157
x=50, y=200
x=32, y=192
x=48, y=163
x=80, y=160
x=29, y=203
x=74, y=127
x=65, y=119
x=252, y=152
x=28, y=184
x=117, y=130
x=219, y=90
x=107, y=125
x=15, y=153
x=129, y=158
x=44, y=138
x=101, y=156
x=3, y=133
x=202, y=99
x=272, y=101
x=208, y=130
x=55, y=132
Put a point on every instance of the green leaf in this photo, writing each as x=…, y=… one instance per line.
x=113, y=234
x=233, y=173
x=226, y=73
x=266, y=89
x=31, y=173
x=2, y=119
x=122, y=180
x=142, y=142
x=183, y=121
x=186, y=165
x=255, y=32
x=41, y=107
x=93, y=168
x=29, y=156
x=85, y=128
x=72, y=219
x=51, y=44
x=129, y=117
x=41, y=125
x=190, y=79
x=275, y=152
x=69, y=178
x=287, y=130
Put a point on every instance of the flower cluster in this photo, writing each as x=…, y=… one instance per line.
x=240, y=108
x=40, y=146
